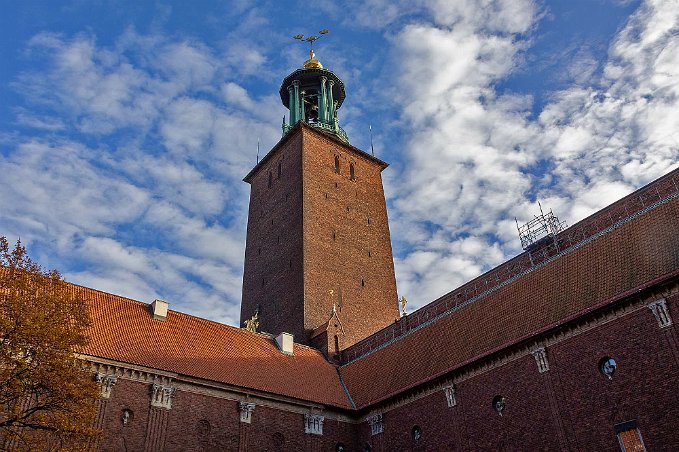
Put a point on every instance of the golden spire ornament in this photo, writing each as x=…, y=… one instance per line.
x=312, y=62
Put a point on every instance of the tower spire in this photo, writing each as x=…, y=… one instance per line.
x=313, y=94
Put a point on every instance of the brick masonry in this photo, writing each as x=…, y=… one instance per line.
x=316, y=236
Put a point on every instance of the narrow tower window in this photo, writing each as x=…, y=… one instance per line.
x=352, y=174
x=337, y=166
x=270, y=178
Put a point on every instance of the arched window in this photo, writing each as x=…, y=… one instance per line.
x=337, y=164
x=352, y=174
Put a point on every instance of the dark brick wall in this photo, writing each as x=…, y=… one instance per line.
x=315, y=230
x=273, y=273
x=570, y=407
x=347, y=247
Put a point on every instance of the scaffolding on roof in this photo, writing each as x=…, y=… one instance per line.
x=539, y=229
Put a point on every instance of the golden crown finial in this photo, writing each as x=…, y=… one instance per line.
x=312, y=62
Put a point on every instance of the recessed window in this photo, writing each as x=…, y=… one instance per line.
x=352, y=172
x=348, y=208
x=334, y=235
x=369, y=253
x=337, y=164
x=340, y=447
x=417, y=434
x=368, y=220
x=629, y=437
x=270, y=179
x=336, y=185
x=126, y=416
x=362, y=282
x=279, y=239
x=499, y=403
x=259, y=251
x=608, y=366
x=203, y=427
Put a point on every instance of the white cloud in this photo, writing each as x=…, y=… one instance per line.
x=475, y=157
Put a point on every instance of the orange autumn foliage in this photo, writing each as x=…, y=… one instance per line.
x=47, y=395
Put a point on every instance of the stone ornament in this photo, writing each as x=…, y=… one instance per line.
x=661, y=313
x=376, y=423
x=540, y=355
x=450, y=395
x=246, y=409
x=161, y=396
x=313, y=424
x=106, y=383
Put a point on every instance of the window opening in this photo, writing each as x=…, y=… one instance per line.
x=270, y=179
x=337, y=164
x=352, y=174
x=629, y=437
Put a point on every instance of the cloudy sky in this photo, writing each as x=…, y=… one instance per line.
x=126, y=127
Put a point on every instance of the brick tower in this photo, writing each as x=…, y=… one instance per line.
x=318, y=259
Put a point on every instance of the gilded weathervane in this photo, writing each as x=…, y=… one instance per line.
x=312, y=62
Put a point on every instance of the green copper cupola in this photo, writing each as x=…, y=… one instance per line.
x=313, y=95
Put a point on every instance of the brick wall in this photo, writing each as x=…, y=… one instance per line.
x=314, y=230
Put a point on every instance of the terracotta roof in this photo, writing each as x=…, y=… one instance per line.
x=124, y=330
x=608, y=263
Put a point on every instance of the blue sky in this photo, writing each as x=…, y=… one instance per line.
x=126, y=127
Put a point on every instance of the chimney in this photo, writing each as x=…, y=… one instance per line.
x=285, y=343
x=159, y=308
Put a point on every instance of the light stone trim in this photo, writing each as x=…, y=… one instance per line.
x=106, y=383
x=376, y=422
x=661, y=313
x=450, y=395
x=246, y=409
x=313, y=424
x=161, y=396
x=540, y=355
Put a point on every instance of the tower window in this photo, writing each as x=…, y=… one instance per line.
x=369, y=253
x=368, y=220
x=352, y=174
x=337, y=164
x=270, y=179
x=334, y=236
x=362, y=282
x=259, y=251
x=279, y=239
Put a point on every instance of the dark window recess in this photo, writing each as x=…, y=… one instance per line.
x=272, y=222
x=369, y=253
x=352, y=173
x=326, y=196
x=362, y=282
x=417, y=434
x=290, y=263
x=368, y=220
x=270, y=178
x=263, y=282
x=348, y=209
x=286, y=196
x=335, y=184
x=334, y=236
x=279, y=240
x=337, y=164
x=259, y=251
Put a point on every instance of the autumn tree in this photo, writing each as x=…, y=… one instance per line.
x=47, y=396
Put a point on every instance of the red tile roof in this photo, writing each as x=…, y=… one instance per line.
x=124, y=330
x=633, y=250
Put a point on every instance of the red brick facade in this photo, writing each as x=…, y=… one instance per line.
x=532, y=332
x=318, y=235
